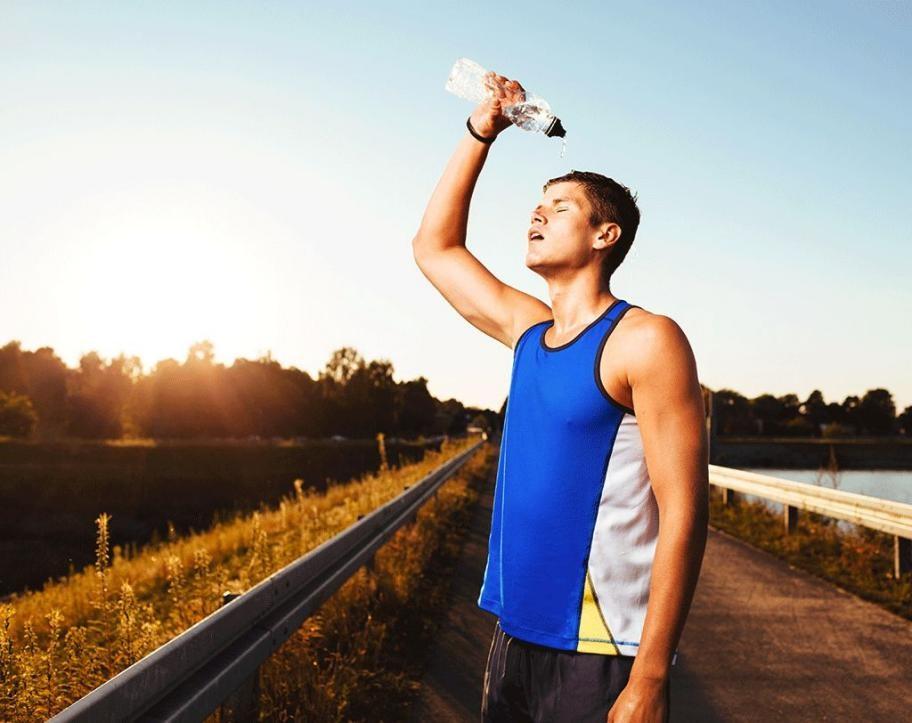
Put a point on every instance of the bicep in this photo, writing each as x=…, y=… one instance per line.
x=669, y=406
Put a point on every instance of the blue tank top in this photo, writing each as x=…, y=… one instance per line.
x=574, y=520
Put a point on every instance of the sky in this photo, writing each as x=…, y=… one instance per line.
x=253, y=174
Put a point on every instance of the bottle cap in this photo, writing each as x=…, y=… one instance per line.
x=555, y=129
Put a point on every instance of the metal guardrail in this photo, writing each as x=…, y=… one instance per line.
x=188, y=677
x=894, y=518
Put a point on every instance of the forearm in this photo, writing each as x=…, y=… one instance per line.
x=446, y=218
x=675, y=569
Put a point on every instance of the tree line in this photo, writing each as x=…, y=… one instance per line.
x=872, y=414
x=42, y=398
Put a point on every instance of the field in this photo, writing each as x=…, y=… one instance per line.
x=52, y=492
x=60, y=642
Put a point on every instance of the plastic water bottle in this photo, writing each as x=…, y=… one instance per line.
x=533, y=113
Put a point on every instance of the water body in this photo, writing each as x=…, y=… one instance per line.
x=887, y=484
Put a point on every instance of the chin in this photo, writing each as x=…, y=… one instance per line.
x=533, y=263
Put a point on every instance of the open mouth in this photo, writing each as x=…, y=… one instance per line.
x=535, y=236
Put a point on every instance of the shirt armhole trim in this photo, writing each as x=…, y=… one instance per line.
x=598, y=358
x=528, y=329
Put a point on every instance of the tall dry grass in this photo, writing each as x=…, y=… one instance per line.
x=59, y=643
x=362, y=656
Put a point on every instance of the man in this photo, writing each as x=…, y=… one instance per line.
x=601, y=502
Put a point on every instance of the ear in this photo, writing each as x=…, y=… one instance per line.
x=608, y=234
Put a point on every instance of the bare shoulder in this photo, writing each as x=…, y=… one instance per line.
x=646, y=327
x=653, y=341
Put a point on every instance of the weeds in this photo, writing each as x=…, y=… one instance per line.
x=59, y=643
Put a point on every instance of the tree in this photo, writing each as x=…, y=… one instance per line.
x=415, y=407
x=97, y=395
x=189, y=400
x=41, y=376
x=836, y=413
x=481, y=421
x=201, y=398
x=452, y=418
x=381, y=395
x=904, y=421
x=734, y=413
x=17, y=416
x=768, y=411
x=13, y=377
x=202, y=352
x=876, y=412
x=798, y=427
x=815, y=410
x=342, y=365
x=850, y=414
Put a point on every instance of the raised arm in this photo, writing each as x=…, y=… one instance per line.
x=439, y=247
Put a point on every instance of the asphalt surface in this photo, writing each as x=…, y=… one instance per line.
x=763, y=642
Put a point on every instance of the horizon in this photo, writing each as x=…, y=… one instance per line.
x=148, y=369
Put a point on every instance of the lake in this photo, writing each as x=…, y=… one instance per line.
x=885, y=483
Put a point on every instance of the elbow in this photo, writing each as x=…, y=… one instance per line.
x=420, y=249
x=417, y=250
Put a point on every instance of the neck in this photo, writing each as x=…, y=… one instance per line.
x=573, y=306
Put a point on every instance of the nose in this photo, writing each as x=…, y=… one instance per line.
x=537, y=217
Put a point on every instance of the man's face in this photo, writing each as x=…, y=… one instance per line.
x=562, y=219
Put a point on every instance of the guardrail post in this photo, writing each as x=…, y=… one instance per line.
x=729, y=497
x=902, y=556
x=243, y=703
x=791, y=519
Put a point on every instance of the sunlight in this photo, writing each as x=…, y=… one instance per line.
x=154, y=291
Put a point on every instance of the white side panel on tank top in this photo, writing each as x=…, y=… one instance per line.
x=624, y=538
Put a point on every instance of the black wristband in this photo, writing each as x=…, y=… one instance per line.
x=475, y=133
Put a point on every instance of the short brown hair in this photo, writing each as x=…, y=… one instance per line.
x=610, y=201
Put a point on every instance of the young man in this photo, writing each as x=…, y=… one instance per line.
x=601, y=501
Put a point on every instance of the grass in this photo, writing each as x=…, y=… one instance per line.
x=362, y=657
x=859, y=560
x=61, y=642
x=52, y=492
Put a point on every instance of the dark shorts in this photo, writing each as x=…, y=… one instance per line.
x=524, y=681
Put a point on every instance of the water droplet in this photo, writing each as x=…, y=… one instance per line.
x=563, y=146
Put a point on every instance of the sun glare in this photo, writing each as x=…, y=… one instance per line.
x=155, y=291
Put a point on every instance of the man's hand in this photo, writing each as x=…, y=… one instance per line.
x=643, y=700
x=488, y=118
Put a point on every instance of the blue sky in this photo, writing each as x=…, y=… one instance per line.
x=253, y=174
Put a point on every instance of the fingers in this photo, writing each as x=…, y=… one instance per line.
x=502, y=85
x=492, y=83
x=494, y=78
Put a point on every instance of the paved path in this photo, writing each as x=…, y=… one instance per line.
x=763, y=642
x=452, y=682
x=767, y=642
